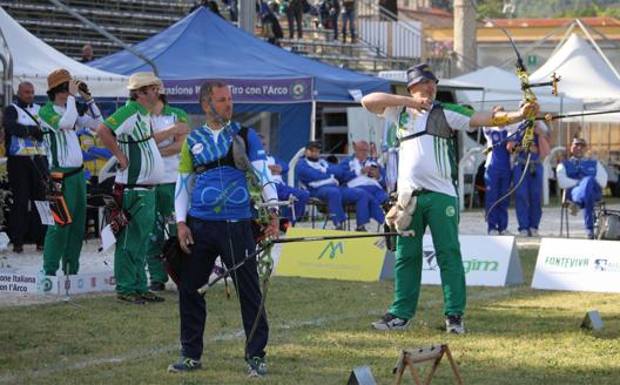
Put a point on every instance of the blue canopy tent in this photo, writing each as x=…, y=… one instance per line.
x=203, y=46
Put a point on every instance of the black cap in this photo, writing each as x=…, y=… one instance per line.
x=418, y=73
x=314, y=144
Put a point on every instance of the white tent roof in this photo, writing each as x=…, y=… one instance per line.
x=33, y=60
x=584, y=72
x=503, y=88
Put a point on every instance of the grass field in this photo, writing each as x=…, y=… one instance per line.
x=319, y=332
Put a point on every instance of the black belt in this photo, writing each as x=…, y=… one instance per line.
x=136, y=185
x=134, y=141
x=72, y=172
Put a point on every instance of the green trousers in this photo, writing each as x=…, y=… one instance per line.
x=131, y=242
x=64, y=244
x=164, y=198
x=440, y=213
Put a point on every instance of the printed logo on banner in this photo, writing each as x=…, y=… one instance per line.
x=573, y=264
x=298, y=89
x=333, y=248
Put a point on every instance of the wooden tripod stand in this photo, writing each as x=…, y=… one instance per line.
x=414, y=356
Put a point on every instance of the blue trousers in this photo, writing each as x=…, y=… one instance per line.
x=284, y=192
x=378, y=196
x=586, y=194
x=230, y=241
x=529, y=196
x=497, y=183
x=336, y=197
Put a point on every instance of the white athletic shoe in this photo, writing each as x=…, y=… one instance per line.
x=454, y=324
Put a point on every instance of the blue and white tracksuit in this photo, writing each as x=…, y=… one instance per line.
x=497, y=178
x=320, y=178
x=528, y=201
x=353, y=177
x=584, y=179
x=285, y=191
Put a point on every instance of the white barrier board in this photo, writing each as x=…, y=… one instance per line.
x=487, y=260
x=578, y=265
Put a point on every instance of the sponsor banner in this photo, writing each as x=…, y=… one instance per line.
x=85, y=283
x=578, y=265
x=246, y=90
x=345, y=259
x=487, y=260
x=35, y=282
x=26, y=282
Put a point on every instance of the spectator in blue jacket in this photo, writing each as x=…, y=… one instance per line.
x=584, y=179
x=279, y=170
x=320, y=178
x=365, y=173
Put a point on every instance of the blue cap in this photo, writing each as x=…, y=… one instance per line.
x=418, y=73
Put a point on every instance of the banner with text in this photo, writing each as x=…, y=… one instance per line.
x=487, y=260
x=346, y=259
x=246, y=90
x=578, y=265
x=34, y=282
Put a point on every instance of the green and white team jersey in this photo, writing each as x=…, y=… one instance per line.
x=427, y=161
x=132, y=126
x=169, y=116
x=60, y=125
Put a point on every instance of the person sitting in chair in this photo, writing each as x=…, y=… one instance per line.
x=584, y=179
x=320, y=178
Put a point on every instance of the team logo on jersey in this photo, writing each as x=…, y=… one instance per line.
x=197, y=148
x=450, y=211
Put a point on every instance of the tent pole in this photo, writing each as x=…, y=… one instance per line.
x=598, y=49
x=313, y=121
x=7, y=73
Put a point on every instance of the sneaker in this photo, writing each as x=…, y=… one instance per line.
x=361, y=229
x=257, y=367
x=493, y=232
x=18, y=249
x=505, y=232
x=184, y=365
x=39, y=247
x=524, y=233
x=131, y=298
x=590, y=234
x=339, y=226
x=534, y=233
x=454, y=324
x=157, y=286
x=391, y=322
x=151, y=297
x=574, y=209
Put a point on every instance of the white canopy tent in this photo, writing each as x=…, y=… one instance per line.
x=503, y=88
x=33, y=60
x=585, y=74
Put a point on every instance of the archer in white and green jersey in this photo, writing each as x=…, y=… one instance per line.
x=132, y=126
x=60, y=125
x=427, y=161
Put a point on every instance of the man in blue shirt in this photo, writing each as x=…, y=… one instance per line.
x=497, y=178
x=364, y=173
x=279, y=170
x=320, y=178
x=212, y=208
x=584, y=178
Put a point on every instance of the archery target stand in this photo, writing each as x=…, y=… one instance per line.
x=410, y=358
